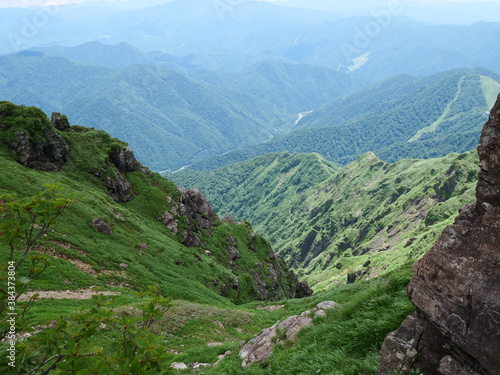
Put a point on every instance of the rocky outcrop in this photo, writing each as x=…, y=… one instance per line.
x=47, y=153
x=59, y=121
x=117, y=184
x=101, y=226
x=124, y=159
x=258, y=349
x=193, y=209
x=113, y=173
x=456, y=286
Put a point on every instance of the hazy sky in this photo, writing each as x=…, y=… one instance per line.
x=442, y=11
x=26, y=3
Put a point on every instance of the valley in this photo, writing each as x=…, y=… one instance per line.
x=249, y=187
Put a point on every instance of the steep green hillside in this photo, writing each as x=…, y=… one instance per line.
x=169, y=119
x=256, y=189
x=402, y=117
x=364, y=220
x=132, y=227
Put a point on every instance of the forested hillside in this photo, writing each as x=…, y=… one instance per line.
x=171, y=120
x=362, y=220
x=402, y=117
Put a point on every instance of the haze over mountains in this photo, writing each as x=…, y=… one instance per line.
x=218, y=78
x=343, y=132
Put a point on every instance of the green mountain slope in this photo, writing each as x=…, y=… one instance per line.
x=294, y=87
x=256, y=189
x=369, y=213
x=111, y=56
x=169, y=119
x=160, y=234
x=145, y=235
x=402, y=117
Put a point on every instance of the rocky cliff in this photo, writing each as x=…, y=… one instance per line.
x=456, y=286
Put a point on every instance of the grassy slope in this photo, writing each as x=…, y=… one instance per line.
x=369, y=309
x=256, y=189
x=182, y=272
x=368, y=211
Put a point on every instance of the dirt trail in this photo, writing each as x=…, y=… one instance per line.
x=65, y=294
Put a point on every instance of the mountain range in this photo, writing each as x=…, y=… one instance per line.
x=226, y=36
x=401, y=117
x=331, y=223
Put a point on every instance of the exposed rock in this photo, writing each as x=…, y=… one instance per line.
x=233, y=253
x=321, y=313
x=270, y=308
x=326, y=305
x=212, y=344
x=351, y=277
x=219, y=324
x=259, y=348
x=194, y=209
x=179, y=366
x=46, y=153
x=170, y=221
x=101, y=226
x=197, y=366
x=302, y=290
x=59, y=121
x=119, y=188
x=456, y=286
x=124, y=159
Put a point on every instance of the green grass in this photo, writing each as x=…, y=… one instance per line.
x=344, y=342
x=328, y=222
x=81, y=257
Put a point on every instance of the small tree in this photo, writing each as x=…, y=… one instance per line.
x=67, y=346
x=22, y=223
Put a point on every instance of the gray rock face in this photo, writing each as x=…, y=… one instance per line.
x=456, y=286
x=123, y=159
x=59, y=121
x=101, y=226
x=194, y=209
x=47, y=153
x=258, y=349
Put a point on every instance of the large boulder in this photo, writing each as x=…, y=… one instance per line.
x=456, y=286
x=259, y=348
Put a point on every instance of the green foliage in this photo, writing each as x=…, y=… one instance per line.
x=386, y=118
x=327, y=222
x=347, y=340
x=98, y=340
x=23, y=222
